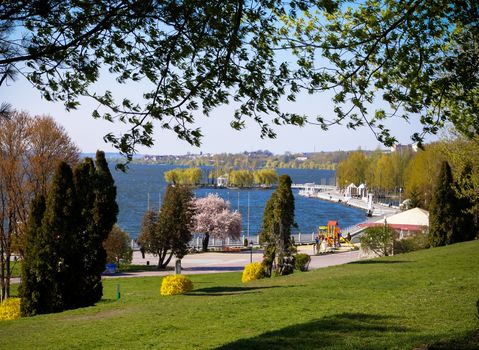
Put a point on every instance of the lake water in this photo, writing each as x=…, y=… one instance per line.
x=144, y=185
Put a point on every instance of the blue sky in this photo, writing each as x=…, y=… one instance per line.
x=219, y=137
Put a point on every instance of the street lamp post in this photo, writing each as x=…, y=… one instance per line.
x=251, y=251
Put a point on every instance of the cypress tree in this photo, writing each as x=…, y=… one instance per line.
x=97, y=192
x=106, y=208
x=278, y=220
x=466, y=226
x=415, y=200
x=52, y=257
x=61, y=253
x=34, y=282
x=104, y=214
x=64, y=254
x=267, y=235
x=84, y=176
x=67, y=210
x=443, y=210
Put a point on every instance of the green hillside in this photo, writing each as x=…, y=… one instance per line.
x=423, y=300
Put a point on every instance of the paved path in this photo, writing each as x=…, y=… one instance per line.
x=212, y=262
x=379, y=209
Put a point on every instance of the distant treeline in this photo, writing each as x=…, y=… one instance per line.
x=255, y=160
x=413, y=175
x=384, y=173
x=235, y=178
x=248, y=178
x=188, y=176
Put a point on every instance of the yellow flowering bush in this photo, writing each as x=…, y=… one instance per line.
x=253, y=271
x=10, y=309
x=175, y=284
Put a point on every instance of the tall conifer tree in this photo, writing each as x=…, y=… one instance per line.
x=35, y=269
x=278, y=220
x=52, y=257
x=64, y=257
x=104, y=215
x=443, y=209
x=97, y=197
x=62, y=218
x=60, y=226
x=466, y=224
x=84, y=176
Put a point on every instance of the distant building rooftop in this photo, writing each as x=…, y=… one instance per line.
x=402, y=148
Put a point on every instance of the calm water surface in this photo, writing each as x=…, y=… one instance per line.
x=143, y=182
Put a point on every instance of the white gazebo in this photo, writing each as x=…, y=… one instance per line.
x=222, y=181
x=351, y=190
x=362, y=191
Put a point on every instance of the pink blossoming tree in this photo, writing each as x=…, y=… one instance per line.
x=214, y=218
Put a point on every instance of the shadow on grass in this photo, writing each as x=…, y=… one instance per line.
x=216, y=291
x=214, y=268
x=142, y=268
x=342, y=331
x=467, y=341
x=380, y=262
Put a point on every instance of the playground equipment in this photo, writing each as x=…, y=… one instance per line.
x=329, y=237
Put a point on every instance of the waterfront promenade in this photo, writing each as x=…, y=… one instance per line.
x=333, y=194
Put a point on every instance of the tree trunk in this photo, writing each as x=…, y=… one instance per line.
x=161, y=257
x=5, y=271
x=205, y=241
x=268, y=259
x=2, y=271
x=167, y=261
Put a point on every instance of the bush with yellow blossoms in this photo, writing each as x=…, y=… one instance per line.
x=10, y=309
x=175, y=284
x=253, y=271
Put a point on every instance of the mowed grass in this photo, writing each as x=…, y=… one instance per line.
x=402, y=302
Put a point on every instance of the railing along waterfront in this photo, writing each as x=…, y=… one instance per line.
x=196, y=242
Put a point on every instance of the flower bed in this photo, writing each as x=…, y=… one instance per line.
x=175, y=284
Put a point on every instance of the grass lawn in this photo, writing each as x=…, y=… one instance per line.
x=16, y=267
x=422, y=300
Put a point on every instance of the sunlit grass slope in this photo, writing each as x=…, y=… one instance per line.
x=401, y=302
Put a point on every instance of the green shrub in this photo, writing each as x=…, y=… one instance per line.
x=378, y=240
x=301, y=262
x=412, y=243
